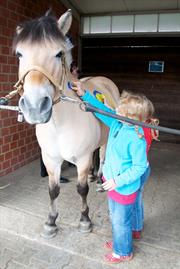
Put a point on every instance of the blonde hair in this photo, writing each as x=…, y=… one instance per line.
x=138, y=107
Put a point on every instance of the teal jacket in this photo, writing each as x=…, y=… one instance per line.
x=126, y=158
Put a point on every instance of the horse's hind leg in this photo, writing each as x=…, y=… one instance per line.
x=50, y=227
x=92, y=176
x=83, y=167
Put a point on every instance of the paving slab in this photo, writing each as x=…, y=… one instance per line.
x=24, y=207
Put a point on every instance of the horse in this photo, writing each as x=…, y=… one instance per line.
x=63, y=130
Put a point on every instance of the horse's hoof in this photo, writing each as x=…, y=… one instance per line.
x=85, y=227
x=49, y=231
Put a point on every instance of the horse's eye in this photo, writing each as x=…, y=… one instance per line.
x=18, y=54
x=59, y=54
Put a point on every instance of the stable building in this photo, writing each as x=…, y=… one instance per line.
x=134, y=43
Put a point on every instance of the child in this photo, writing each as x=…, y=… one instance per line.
x=125, y=163
x=149, y=135
x=74, y=69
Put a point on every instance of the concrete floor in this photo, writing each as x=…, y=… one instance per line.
x=24, y=207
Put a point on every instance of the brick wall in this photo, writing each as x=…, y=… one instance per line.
x=18, y=145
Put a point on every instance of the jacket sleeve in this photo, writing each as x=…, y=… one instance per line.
x=138, y=167
x=94, y=102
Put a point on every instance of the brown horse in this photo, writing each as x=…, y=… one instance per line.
x=63, y=130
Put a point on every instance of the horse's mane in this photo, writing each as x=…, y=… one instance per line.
x=40, y=29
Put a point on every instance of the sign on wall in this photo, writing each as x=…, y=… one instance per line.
x=156, y=66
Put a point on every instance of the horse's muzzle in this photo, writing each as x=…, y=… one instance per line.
x=40, y=112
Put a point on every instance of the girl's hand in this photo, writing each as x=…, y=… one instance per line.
x=77, y=86
x=109, y=185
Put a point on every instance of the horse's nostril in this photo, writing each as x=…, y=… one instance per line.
x=22, y=103
x=45, y=104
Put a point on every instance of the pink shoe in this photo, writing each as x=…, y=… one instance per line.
x=109, y=258
x=108, y=245
x=136, y=235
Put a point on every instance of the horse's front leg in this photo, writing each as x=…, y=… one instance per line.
x=83, y=167
x=54, y=170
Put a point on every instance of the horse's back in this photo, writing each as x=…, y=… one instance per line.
x=105, y=86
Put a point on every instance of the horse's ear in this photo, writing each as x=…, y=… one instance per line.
x=49, y=12
x=18, y=30
x=65, y=21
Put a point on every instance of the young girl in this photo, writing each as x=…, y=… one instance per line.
x=125, y=163
x=149, y=135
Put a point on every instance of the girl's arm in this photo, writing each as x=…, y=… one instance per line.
x=77, y=86
x=94, y=102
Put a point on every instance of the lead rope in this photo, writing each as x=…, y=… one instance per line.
x=4, y=100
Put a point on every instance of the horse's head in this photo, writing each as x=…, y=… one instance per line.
x=42, y=48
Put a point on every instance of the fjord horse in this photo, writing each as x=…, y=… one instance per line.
x=63, y=130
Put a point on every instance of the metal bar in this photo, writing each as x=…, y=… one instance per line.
x=89, y=108
x=14, y=108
